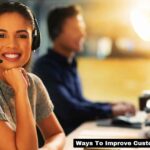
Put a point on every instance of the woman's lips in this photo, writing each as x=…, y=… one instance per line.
x=11, y=56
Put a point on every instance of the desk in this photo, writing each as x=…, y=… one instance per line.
x=91, y=130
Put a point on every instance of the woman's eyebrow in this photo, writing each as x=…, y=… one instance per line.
x=3, y=30
x=22, y=31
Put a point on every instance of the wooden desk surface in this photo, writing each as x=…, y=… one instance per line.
x=92, y=131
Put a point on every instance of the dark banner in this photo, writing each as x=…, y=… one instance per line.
x=122, y=143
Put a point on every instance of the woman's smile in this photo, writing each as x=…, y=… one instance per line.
x=11, y=56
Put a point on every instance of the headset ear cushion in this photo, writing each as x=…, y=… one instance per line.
x=36, y=38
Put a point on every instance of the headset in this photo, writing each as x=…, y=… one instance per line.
x=36, y=38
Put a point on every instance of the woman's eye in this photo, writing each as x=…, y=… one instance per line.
x=23, y=36
x=2, y=35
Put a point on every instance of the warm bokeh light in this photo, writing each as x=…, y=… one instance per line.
x=125, y=44
x=104, y=47
x=140, y=19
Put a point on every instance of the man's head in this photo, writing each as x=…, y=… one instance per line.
x=67, y=28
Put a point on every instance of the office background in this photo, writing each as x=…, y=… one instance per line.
x=115, y=61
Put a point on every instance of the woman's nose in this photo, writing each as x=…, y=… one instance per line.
x=11, y=42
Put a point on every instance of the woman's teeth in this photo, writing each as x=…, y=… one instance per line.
x=11, y=55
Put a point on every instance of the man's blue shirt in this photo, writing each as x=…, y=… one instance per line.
x=64, y=87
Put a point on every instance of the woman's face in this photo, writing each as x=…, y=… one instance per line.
x=15, y=40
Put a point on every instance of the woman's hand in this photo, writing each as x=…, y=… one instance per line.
x=16, y=78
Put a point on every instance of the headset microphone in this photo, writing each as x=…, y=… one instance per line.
x=1, y=61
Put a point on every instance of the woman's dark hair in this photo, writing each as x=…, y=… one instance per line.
x=19, y=8
x=23, y=10
x=57, y=17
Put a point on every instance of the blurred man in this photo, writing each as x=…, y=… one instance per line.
x=58, y=70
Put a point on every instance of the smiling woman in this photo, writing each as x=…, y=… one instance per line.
x=24, y=101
